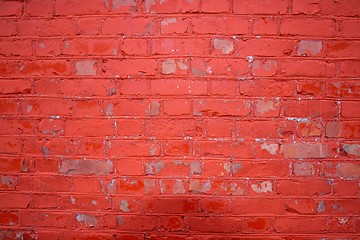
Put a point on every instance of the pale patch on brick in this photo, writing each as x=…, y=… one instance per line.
x=333, y=129
x=178, y=187
x=227, y=167
x=8, y=181
x=321, y=207
x=264, y=106
x=116, y=4
x=271, y=148
x=224, y=45
x=196, y=186
x=352, y=149
x=304, y=169
x=195, y=168
x=148, y=4
x=309, y=48
x=168, y=21
x=168, y=66
x=236, y=190
x=85, y=67
x=149, y=185
x=153, y=108
x=112, y=187
x=236, y=167
x=89, y=220
x=262, y=187
x=124, y=206
x=154, y=167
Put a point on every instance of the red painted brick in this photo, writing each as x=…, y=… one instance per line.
x=308, y=27
x=265, y=26
x=350, y=109
x=223, y=25
x=306, y=7
x=267, y=7
x=308, y=108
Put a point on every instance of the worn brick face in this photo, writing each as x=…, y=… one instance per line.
x=179, y=119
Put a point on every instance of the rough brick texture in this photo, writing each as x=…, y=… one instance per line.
x=180, y=119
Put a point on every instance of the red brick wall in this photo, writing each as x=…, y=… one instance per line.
x=179, y=119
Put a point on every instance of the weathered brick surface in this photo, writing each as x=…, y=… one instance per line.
x=179, y=119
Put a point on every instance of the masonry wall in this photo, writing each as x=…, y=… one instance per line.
x=179, y=119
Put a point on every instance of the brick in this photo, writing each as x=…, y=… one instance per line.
x=267, y=7
x=278, y=168
x=178, y=87
x=303, y=187
x=345, y=187
x=52, y=184
x=9, y=218
x=43, y=28
x=215, y=224
x=132, y=148
x=45, y=68
x=40, y=8
x=177, y=107
x=305, y=7
x=291, y=224
x=134, y=87
x=134, y=46
x=309, y=129
x=133, y=223
x=305, y=150
x=265, y=47
x=224, y=25
x=224, y=149
x=87, y=184
x=217, y=66
x=343, y=129
x=349, y=68
x=98, y=47
x=213, y=130
x=309, y=48
x=161, y=128
x=266, y=87
x=264, y=68
x=172, y=186
x=308, y=27
x=88, y=26
x=258, y=206
x=16, y=48
x=310, y=88
x=42, y=219
x=265, y=26
x=216, y=206
x=86, y=167
x=9, y=145
x=307, y=108
x=171, y=223
x=183, y=6
x=84, y=203
x=124, y=6
x=340, y=49
x=267, y=108
x=213, y=169
x=129, y=67
x=58, y=107
x=8, y=27
x=77, y=7
x=256, y=225
x=47, y=48
x=213, y=6
x=346, y=89
x=349, y=28
x=174, y=25
x=11, y=8
x=307, y=68
x=223, y=87
x=87, y=88
x=222, y=46
x=177, y=148
x=170, y=46
x=304, y=169
x=128, y=26
x=217, y=107
x=340, y=8
x=350, y=109
x=14, y=200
